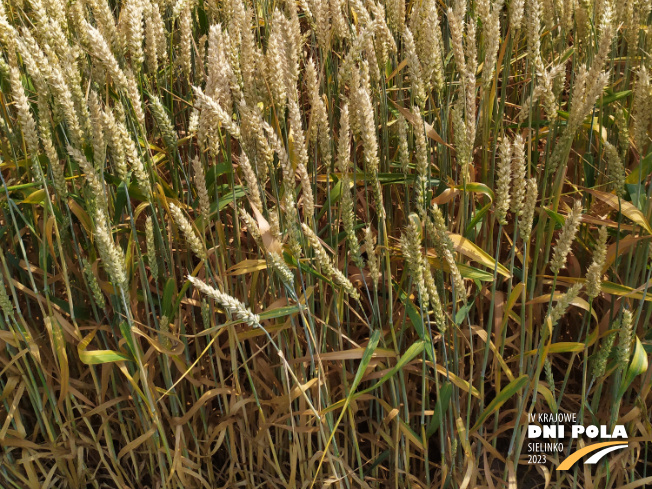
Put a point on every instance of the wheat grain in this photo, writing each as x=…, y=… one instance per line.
x=565, y=241
x=164, y=123
x=600, y=362
x=5, y=302
x=152, y=255
x=623, y=351
x=560, y=308
x=519, y=172
x=325, y=263
x=112, y=256
x=527, y=214
x=503, y=179
x=202, y=191
x=186, y=228
x=232, y=305
x=594, y=272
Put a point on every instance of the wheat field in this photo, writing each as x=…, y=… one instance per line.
x=322, y=243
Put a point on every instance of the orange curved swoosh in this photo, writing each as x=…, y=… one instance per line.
x=571, y=459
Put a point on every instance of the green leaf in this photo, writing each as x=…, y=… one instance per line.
x=638, y=366
x=333, y=197
x=470, y=249
x=120, y=201
x=609, y=99
x=136, y=193
x=477, y=187
x=461, y=313
x=610, y=288
x=279, y=312
x=567, y=54
x=125, y=329
x=237, y=192
x=401, y=178
x=443, y=402
x=415, y=318
x=35, y=197
x=96, y=357
x=306, y=268
x=214, y=172
x=379, y=460
x=414, y=314
x=641, y=172
x=414, y=350
x=364, y=362
x=477, y=217
x=503, y=396
x=623, y=290
x=168, y=298
x=589, y=169
x=549, y=397
x=467, y=271
x=637, y=194
x=555, y=216
x=167, y=190
x=203, y=20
